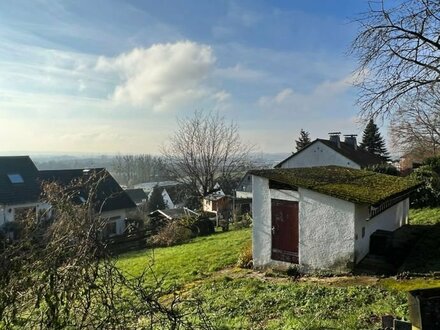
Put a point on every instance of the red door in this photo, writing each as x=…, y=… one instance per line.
x=285, y=231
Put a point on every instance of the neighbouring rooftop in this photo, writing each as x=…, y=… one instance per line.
x=357, y=186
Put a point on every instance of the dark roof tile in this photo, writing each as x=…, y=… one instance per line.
x=109, y=194
x=27, y=191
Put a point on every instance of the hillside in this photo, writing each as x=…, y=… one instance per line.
x=234, y=298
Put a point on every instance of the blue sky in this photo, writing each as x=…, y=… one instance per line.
x=112, y=76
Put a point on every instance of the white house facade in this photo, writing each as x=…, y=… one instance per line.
x=319, y=154
x=331, y=152
x=299, y=225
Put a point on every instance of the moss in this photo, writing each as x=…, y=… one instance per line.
x=358, y=186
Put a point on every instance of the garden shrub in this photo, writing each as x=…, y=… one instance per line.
x=244, y=221
x=245, y=259
x=384, y=169
x=203, y=227
x=433, y=163
x=173, y=233
x=428, y=194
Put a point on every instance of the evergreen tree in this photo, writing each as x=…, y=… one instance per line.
x=303, y=141
x=373, y=142
x=156, y=201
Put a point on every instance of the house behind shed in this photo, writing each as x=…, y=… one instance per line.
x=111, y=202
x=323, y=217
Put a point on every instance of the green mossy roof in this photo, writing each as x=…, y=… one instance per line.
x=357, y=186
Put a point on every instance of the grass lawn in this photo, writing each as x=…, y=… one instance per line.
x=424, y=216
x=188, y=262
x=245, y=299
x=252, y=303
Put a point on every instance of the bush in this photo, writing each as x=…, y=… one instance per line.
x=172, y=233
x=203, y=227
x=294, y=271
x=384, y=169
x=428, y=194
x=433, y=163
x=245, y=259
x=244, y=221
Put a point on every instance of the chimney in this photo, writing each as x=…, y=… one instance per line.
x=334, y=138
x=350, y=139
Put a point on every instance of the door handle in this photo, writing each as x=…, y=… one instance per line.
x=273, y=230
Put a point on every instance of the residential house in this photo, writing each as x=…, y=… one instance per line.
x=323, y=217
x=19, y=188
x=111, y=201
x=243, y=195
x=138, y=196
x=320, y=152
x=332, y=152
x=170, y=192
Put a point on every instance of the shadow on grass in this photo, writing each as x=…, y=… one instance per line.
x=424, y=256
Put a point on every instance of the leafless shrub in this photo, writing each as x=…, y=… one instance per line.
x=58, y=274
x=173, y=233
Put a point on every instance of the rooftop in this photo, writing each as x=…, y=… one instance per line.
x=18, y=180
x=357, y=186
x=109, y=194
x=361, y=157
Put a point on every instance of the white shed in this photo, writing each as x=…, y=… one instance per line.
x=323, y=217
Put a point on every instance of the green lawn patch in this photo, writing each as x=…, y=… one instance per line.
x=250, y=303
x=409, y=284
x=191, y=261
x=424, y=216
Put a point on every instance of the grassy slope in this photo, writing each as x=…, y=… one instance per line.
x=188, y=262
x=241, y=300
x=245, y=301
x=424, y=216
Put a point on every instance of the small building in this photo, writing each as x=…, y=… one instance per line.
x=171, y=192
x=332, y=152
x=323, y=217
x=243, y=195
x=173, y=214
x=138, y=196
x=19, y=187
x=111, y=201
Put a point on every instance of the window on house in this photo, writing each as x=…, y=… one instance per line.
x=363, y=232
x=110, y=229
x=15, y=178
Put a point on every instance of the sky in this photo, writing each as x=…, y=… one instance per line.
x=112, y=76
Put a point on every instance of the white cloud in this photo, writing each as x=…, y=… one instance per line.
x=162, y=76
x=320, y=98
x=239, y=72
x=222, y=96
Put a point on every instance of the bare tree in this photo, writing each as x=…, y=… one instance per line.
x=132, y=169
x=398, y=51
x=58, y=274
x=205, y=149
x=416, y=128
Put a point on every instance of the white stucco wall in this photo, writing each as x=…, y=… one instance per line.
x=261, y=224
x=318, y=154
x=120, y=221
x=7, y=212
x=390, y=219
x=326, y=231
x=167, y=199
x=326, y=228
